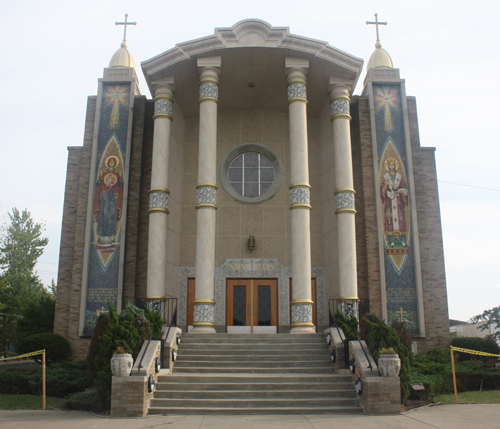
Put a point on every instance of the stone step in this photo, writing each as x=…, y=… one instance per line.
x=255, y=378
x=250, y=386
x=249, y=340
x=252, y=394
x=256, y=410
x=257, y=346
x=242, y=370
x=281, y=352
x=252, y=336
x=254, y=403
x=181, y=357
x=222, y=363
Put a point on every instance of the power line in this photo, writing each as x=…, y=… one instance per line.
x=470, y=186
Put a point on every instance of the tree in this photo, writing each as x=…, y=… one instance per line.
x=21, y=244
x=492, y=318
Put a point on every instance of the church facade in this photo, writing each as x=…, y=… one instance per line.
x=255, y=191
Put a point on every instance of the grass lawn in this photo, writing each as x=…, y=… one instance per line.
x=28, y=402
x=484, y=397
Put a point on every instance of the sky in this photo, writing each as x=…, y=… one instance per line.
x=447, y=51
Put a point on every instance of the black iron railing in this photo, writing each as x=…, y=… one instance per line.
x=359, y=308
x=166, y=306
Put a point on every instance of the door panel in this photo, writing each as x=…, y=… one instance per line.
x=252, y=302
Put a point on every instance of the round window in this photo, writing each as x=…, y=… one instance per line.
x=251, y=174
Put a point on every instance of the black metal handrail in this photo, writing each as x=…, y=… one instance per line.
x=166, y=306
x=363, y=307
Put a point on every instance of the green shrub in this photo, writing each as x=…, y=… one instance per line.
x=155, y=320
x=57, y=348
x=382, y=336
x=364, y=329
x=95, y=344
x=487, y=345
x=349, y=326
x=61, y=380
x=404, y=336
x=84, y=401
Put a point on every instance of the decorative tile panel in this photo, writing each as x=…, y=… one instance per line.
x=203, y=313
x=158, y=200
x=163, y=106
x=340, y=106
x=344, y=200
x=301, y=313
x=349, y=309
x=206, y=195
x=209, y=90
x=300, y=196
x=297, y=90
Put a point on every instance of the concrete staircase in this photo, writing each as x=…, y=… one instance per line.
x=254, y=374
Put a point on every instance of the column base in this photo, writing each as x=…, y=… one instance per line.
x=203, y=330
x=302, y=330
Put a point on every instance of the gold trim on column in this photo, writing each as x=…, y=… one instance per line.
x=211, y=324
x=340, y=97
x=163, y=190
x=163, y=115
x=299, y=185
x=202, y=100
x=301, y=325
x=301, y=301
x=294, y=100
x=296, y=80
x=164, y=97
x=300, y=206
x=345, y=210
x=344, y=190
x=155, y=297
x=208, y=80
x=351, y=298
x=206, y=185
x=158, y=210
x=204, y=301
x=206, y=206
x=340, y=116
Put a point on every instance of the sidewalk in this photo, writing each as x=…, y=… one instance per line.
x=446, y=416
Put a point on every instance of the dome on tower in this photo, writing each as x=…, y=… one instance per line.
x=380, y=59
x=122, y=58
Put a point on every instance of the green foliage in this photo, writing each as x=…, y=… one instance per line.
x=382, y=336
x=62, y=379
x=492, y=318
x=364, y=328
x=349, y=326
x=485, y=397
x=118, y=333
x=21, y=244
x=155, y=321
x=38, y=316
x=434, y=370
x=404, y=336
x=57, y=348
x=84, y=401
x=487, y=345
x=8, y=331
x=95, y=344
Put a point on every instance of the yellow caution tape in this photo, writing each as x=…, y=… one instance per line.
x=473, y=352
x=39, y=352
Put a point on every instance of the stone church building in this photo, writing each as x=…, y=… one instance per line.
x=255, y=192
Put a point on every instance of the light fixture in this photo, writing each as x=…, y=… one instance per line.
x=251, y=84
x=333, y=355
x=328, y=339
x=157, y=365
x=359, y=386
x=352, y=365
x=178, y=338
x=151, y=384
x=174, y=355
x=251, y=242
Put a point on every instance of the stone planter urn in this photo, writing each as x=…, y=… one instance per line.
x=121, y=364
x=389, y=365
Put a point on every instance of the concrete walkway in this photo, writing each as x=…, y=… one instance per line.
x=446, y=416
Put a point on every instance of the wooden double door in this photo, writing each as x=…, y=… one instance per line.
x=252, y=302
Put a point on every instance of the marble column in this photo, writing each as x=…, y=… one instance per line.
x=204, y=303
x=158, y=194
x=344, y=199
x=300, y=201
